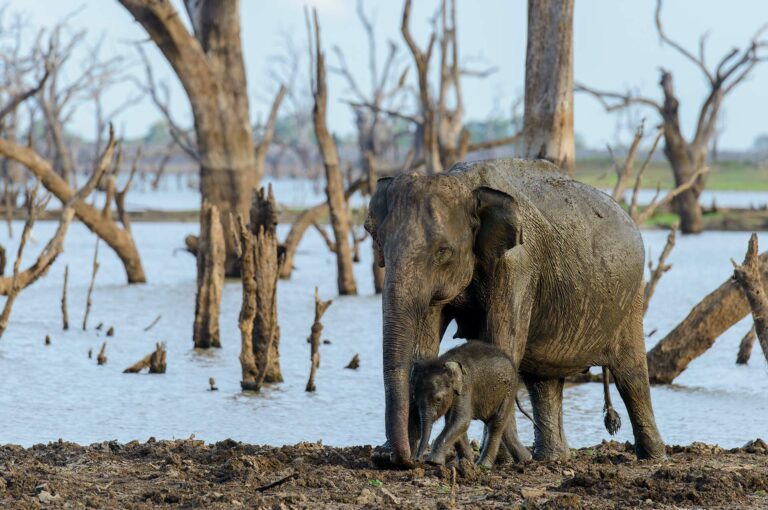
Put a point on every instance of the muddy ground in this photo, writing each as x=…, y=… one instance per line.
x=191, y=474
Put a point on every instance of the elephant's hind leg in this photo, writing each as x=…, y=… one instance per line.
x=630, y=372
x=547, y=400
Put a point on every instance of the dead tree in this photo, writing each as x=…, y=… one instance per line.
x=314, y=338
x=88, y=300
x=154, y=361
x=687, y=157
x=211, y=257
x=119, y=239
x=209, y=63
x=658, y=271
x=64, y=312
x=259, y=262
x=745, y=346
x=709, y=319
x=337, y=206
x=749, y=277
x=378, y=271
x=548, y=124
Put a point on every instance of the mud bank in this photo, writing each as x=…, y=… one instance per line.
x=191, y=474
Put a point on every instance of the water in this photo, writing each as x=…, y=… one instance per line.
x=57, y=392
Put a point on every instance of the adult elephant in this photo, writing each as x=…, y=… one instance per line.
x=523, y=256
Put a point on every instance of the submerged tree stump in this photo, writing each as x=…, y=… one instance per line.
x=260, y=266
x=314, y=338
x=745, y=347
x=64, y=312
x=89, y=300
x=748, y=276
x=154, y=361
x=211, y=258
x=101, y=359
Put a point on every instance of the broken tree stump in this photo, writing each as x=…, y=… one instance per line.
x=111, y=331
x=64, y=312
x=101, y=359
x=314, y=338
x=211, y=259
x=212, y=384
x=748, y=276
x=354, y=363
x=709, y=319
x=154, y=361
x=47, y=339
x=89, y=300
x=260, y=267
x=745, y=346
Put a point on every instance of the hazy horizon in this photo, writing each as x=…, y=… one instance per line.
x=615, y=43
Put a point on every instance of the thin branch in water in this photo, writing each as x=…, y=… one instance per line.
x=89, y=301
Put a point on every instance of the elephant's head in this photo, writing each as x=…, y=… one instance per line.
x=433, y=387
x=431, y=232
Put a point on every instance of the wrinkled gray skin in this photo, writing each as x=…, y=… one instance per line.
x=469, y=382
x=523, y=257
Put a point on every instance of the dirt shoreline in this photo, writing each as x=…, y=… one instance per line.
x=228, y=474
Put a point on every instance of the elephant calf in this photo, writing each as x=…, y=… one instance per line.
x=472, y=381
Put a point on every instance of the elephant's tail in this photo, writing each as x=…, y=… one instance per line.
x=611, y=418
x=525, y=413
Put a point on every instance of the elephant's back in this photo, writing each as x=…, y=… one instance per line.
x=596, y=255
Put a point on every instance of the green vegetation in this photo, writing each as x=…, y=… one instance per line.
x=725, y=175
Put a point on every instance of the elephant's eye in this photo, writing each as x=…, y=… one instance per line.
x=443, y=254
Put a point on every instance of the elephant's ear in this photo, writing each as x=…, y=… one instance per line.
x=457, y=376
x=500, y=227
x=377, y=211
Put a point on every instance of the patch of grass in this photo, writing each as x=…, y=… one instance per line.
x=761, y=492
x=375, y=482
x=724, y=175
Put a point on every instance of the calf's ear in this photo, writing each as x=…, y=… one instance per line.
x=457, y=376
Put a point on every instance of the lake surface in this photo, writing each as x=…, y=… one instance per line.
x=51, y=392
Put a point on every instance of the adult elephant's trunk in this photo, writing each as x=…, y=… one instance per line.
x=425, y=429
x=400, y=321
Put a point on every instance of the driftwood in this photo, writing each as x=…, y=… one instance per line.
x=709, y=319
x=337, y=205
x=64, y=312
x=748, y=276
x=658, y=271
x=153, y=323
x=314, y=338
x=154, y=361
x=259, y=263
x=211, y=258
x=745, y=346
x=89, y=301
x=101, y=358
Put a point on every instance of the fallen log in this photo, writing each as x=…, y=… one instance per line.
x=748, y=276
x=709, y=319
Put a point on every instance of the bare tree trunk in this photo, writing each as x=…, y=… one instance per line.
x=745, y=347
x=314, y=338
x=209, y=64
x=211, y=256
x=748, y=276
x=709, y=319
x=260, y=332
x=337, y=205
x=548, y=125
x=88, y=300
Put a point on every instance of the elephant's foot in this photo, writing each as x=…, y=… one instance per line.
x=552, y=452
x=650, y=448
x=383, y=458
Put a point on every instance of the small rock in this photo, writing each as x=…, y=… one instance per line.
x=568, y=472
x=326, y=342
x=368, y=497
x=46, y=497
x=391, y=497
x=47, y=339
x=532, y=492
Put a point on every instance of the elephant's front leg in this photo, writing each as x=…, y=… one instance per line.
x=509, y=309
x=547, y=400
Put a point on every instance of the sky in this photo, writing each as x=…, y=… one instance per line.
x=615, y=48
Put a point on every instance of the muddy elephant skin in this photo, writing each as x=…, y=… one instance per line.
x=520, y=256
